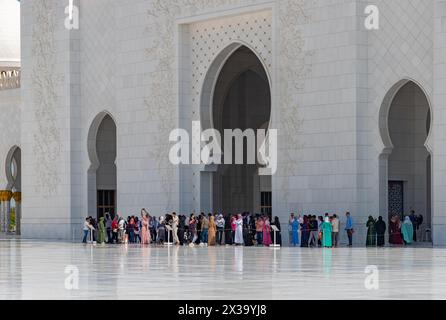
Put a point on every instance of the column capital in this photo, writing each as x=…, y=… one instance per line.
x=17, y=196
x=5, y=195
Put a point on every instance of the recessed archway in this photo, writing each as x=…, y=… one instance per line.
x=405, y=163
x=237, y=95
x=102, y=148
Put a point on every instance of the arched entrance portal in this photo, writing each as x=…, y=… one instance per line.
x=405, y=132
x=102, y=172
x=241, y=100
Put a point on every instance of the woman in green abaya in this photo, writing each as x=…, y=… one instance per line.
x=371, y=232
x=326, y=233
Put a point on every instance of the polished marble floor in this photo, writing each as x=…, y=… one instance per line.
x=47, y=270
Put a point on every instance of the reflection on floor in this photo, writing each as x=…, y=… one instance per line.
x=48, y=270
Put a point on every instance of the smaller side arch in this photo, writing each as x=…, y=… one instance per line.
x=91, y=138
x=95, y=162
x=384, y=112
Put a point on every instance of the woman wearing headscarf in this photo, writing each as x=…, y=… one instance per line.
x=101, y=230
x=212, y=231
x=161, y=231
x=239, y=230
x=145, y=234
x=193, y=230
x=380, y=227
x=371, y=232
x=108, y=228
x=407, y=230
x=326, y=233
x=395, y=231
x=305, y=232
x=153, y=224
x=228, y=229
x=259, y=230
x=267, y=232
x=247, y=233
x=295, y=232
x=233, y=228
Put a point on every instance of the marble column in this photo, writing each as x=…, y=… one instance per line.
x=18, y=211
x=5, y=198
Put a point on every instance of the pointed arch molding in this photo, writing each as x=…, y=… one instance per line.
x=212, y=42
x=92, y=135
x=384, y=115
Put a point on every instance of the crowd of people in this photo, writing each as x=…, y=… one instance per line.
x=400, y=233
x=322, y=231
x=243, y=229
x=205, y=230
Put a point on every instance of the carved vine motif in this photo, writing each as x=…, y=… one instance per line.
x=294, y=66
x=47, y=145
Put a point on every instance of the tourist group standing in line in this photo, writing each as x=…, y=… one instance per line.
x=243, y=229
x=205, y=230
x=312, y=231
x=400, y=233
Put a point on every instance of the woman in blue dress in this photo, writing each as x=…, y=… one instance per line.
x=295, y=232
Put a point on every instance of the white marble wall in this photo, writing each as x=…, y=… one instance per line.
x=438, y=136
x=329, y=77
x=10, y=109
x=50, y=101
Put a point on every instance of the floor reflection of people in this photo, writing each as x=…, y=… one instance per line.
x=327, y=261
x=172, y=258
x=238, y=259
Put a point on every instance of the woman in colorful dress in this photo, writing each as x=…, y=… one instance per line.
x=145, y=234
x=267, y=232
x=395, y=231
x=407, y=230
x=212, y=231
x=233, y=228
x=295, y=232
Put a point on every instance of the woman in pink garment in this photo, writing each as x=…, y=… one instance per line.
x=145, y=234
x=266, y=232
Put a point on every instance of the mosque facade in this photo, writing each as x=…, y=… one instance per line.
x=91, y=92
